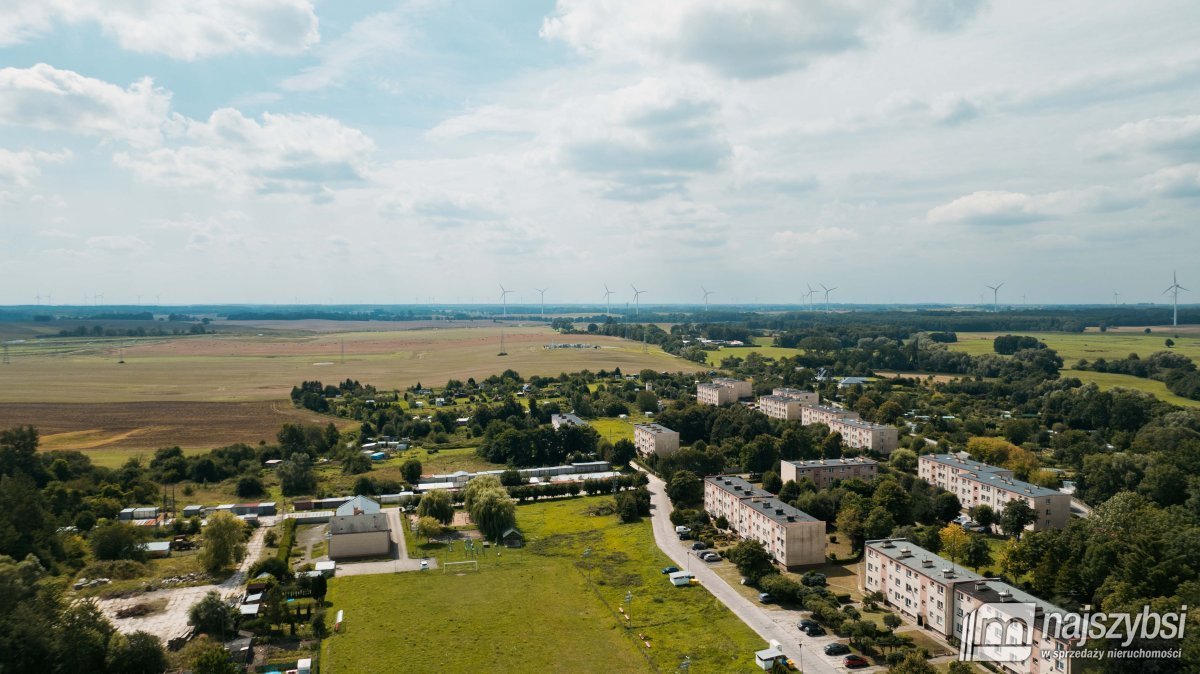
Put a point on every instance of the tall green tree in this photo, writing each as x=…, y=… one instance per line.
x=223, y=543
x=211, y=615
x=437, y=504
x=137, y=653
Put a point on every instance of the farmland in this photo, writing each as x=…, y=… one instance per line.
x=205, y=391
x=1092, y=345
x=544, y=607
x=1107, y=380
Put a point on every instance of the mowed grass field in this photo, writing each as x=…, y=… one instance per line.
x=205, y=391
x=1107, y=381
x=541, y=608
x=762, y=345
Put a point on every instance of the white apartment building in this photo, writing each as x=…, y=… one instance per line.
x=976, y=483
x=791, y=536
x=825, y=472
x=780, y=407
x=822, y=414
x=805, y=397
x=866, y=435
x=723, y=390
x=938, y=595
x=655, y=439
x=560, y=420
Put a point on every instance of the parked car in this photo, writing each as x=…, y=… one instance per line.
x=682, y=530
x=806, y=625
x=815, y=631
x=699, y=545
x=685, y=536
x=670, y=569
x=424, y=565
x=855, y=661
x=836, y=648
x=766, y=598
x=710, y=557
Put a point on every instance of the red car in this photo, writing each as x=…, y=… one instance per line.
x=855, y=661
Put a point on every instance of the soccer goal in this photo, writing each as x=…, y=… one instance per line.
x=471, y=563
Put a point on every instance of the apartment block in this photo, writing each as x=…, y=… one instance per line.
x=866, y=435
x=791, y=536
x=939, y=595
x=723, y=390
x=825, y=472
x=655, y=439
x=976, y=483
x=821, y=414
x=779, y=407
x=805, y=397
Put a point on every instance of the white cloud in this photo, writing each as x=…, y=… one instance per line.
x=278, y=154
x=44, y=97
x=372, y=38
x=792, y=239
x=1174, y=181
x=181, y=30
x=1173, y=136
x=116, y=244
x=20, y=168
x=998, y=207
x=736, y=38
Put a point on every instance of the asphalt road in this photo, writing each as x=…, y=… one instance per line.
x=769, y=624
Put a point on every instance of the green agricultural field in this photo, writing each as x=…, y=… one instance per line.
x=1092, y=345
x=544, y=607
x=1154, y=387
x=715, y=357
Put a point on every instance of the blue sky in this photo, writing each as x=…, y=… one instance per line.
x=274, y=150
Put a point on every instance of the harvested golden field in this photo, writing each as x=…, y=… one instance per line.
x=206, y=391
x=132, y=428
x=235, y=368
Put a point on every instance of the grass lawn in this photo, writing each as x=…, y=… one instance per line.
x=613, y=429
x=541, y=607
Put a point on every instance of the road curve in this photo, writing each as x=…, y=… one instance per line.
x=758, y=620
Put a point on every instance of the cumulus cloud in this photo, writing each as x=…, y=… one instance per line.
x=999, y=208
x=176, y=29
x=1171, y=136
x=651, y=138
x=735, y=38
x=18, y=169
x=44, y=97
x=278, y=153
x=1174, y=181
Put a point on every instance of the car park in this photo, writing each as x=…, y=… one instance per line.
x=710, y=557
x=836, y=648
x=685, y=536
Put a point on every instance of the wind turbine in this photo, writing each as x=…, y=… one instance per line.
x=1174, y=290
x=706, y=294
x=607, y=303
x=811, y=292
x=504, y=297
x=995, y=296
x=637, y=302
x=542, y=292
x=827, y=291
x=1115, y=296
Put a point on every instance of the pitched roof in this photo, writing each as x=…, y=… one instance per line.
x=358, y=524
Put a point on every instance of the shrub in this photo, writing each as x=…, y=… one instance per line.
x=288, y=540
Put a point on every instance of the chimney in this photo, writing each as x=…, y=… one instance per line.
x=926, y=563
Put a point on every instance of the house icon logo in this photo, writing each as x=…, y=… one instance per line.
x=998, y=632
